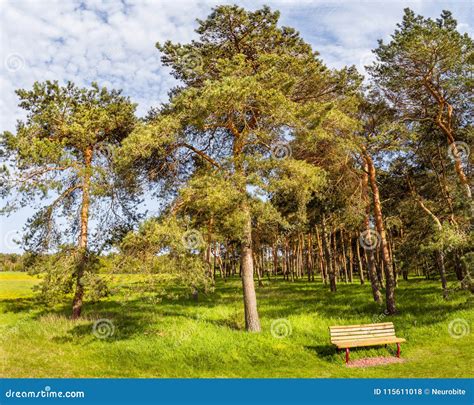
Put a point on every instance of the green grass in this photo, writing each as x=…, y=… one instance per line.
x=182, y=338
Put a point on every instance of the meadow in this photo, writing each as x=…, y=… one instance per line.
x=180, y=337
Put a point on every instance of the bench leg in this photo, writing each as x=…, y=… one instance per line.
x=347, y=355
x=398, y=349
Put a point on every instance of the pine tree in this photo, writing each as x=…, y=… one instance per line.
x=248, y=88
x=61, y=155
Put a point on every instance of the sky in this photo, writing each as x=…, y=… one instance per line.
x=112, y=42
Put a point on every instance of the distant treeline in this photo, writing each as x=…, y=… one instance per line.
x=11, y=262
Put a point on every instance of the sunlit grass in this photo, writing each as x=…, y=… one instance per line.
x=184, y=338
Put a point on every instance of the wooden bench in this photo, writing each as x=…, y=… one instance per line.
x=373, y=334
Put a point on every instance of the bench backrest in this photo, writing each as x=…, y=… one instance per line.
x=361, y=332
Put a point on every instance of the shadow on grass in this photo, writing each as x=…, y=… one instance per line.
x=330, y=353
x=326, y=352
x=352, y=303
x=17, y=305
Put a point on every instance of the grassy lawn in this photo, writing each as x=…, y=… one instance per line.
x=183, y=338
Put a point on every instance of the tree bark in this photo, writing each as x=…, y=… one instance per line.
x=389, y=279
x=333, y=249
x=359, y=263
x=322, y=264
x=442, y=273
x=309, y=258
x=344, y=258
x=444, y=120
x=83, y=236
x=458, y=266
x=327, y=254
x=252, y=322
x=439, y=227
x=369, y=255
x=351, y=264
x=209, y=250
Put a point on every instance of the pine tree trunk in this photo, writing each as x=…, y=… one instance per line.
x=258, y=265
x=369, y=253
x=351, y=265
x=301, y=268
x=359, y=263
x=327, y=254
x=208, y=249
x=458, y=165
x=284, y=263
x=83, y=237
x=293, y=260
x=322, y=264
x=439, y=226
x=310, y=258
x=380, y=267
x=390, y=281
x=275, y=258
x=392, y=258
x=445, y=123
x=458, y=266
x=252, y=322
x=442, y=273
x=344, y=258
x=333, y=249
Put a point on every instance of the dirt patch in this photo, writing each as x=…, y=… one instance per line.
x=374, y=361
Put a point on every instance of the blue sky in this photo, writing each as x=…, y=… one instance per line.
x=112, y=42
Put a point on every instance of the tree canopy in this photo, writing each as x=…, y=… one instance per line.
x=263, y=162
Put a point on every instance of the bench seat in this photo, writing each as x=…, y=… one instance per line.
x=368, y=342
x=373, y=334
